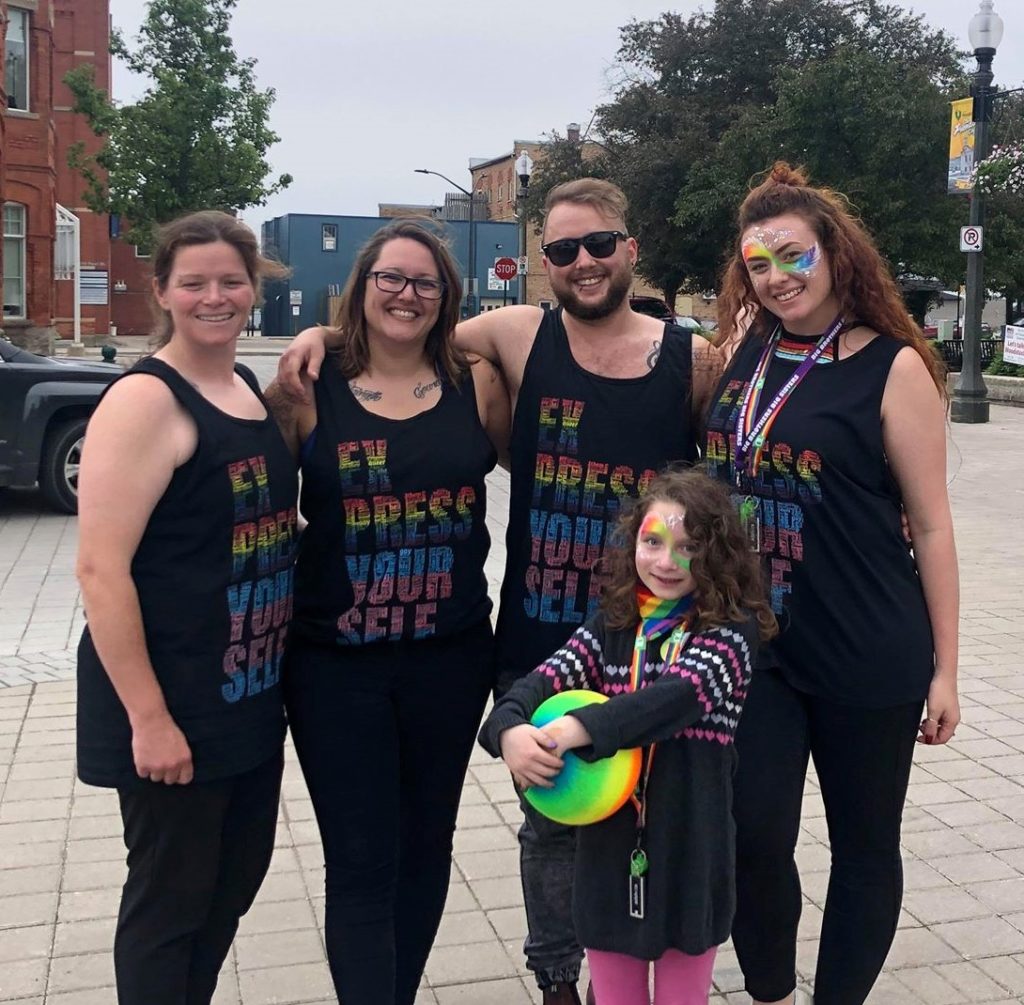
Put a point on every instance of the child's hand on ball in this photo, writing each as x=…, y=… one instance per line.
x=529, y=754
x=568, y=732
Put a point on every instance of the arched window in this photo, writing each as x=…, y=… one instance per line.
x=14, y=260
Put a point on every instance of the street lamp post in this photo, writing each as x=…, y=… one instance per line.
x=524, y=168
x=970, y=396
x=471, y=267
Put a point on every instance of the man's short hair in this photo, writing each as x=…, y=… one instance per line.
x=608, y=199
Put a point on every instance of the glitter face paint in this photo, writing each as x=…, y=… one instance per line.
x=758, y=257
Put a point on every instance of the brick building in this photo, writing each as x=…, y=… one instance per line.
x=42, y=41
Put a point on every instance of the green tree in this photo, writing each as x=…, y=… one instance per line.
x=196, y=139
x=1004, y=218
x=854, y=90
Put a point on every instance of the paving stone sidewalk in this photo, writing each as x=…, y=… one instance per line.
x=961, y=936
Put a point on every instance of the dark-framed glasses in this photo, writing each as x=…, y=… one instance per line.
x=599, y=244
x=395, y=282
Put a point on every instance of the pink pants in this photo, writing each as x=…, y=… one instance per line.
x=679, y=979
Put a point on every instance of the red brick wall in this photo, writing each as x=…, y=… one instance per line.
x=81, y=34
x=29, y=173
x=33, y=159
x=131, y=306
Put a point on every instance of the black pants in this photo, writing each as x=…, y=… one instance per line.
x=384, y=733
x=863, y=758
x=197, y=855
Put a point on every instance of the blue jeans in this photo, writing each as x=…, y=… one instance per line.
x=547, y=853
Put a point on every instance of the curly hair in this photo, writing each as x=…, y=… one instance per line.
x=863, y=285
x=727, y=572
x=353, y=354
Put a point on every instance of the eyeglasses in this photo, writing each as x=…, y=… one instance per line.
x=599, y=244
x=394, y=282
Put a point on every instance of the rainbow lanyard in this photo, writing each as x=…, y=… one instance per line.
x=655, y=617
x=752, y=434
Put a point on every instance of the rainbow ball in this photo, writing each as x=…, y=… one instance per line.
x=584, y=792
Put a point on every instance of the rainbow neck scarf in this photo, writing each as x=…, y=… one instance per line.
x=657, y=616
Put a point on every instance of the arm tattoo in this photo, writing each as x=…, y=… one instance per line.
x=422, y=390
x=652, y=356
x=363, y=393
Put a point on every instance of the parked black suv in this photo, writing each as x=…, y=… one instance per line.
x=44, y=406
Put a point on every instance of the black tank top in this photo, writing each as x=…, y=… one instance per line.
x=581, y=445
x=842, y=580
x=397, y=540
x=214, y=573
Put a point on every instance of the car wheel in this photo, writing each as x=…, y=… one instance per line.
x=58, y=472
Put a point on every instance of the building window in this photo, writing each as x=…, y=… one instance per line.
x=14, y=260
x=139, y=253
x=329, y=237
x=16, y=58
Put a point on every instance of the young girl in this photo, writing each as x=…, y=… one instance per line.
x=672, y=647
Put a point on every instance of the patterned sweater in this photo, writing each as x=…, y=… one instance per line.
x=690, y=708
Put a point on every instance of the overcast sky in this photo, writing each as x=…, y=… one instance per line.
x=366, y=93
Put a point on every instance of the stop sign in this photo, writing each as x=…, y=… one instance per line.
x=505, y=269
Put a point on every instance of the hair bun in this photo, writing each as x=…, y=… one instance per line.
x=783, y=173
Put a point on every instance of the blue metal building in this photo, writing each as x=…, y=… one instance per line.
x=320, y=251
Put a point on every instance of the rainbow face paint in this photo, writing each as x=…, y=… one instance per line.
x=759, y=257
x=655, y=534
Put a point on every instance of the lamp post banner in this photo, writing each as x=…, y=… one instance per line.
x=1013, y=345
x=961, y=147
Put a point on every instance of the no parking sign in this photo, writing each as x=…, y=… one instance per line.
x=971, y=238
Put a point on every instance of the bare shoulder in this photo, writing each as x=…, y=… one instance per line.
x=141, y=422
x=142, y=398
x=911, y=394
x=909, y=370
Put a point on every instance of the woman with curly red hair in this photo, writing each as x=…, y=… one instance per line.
x=828, y=424
x=672, y=647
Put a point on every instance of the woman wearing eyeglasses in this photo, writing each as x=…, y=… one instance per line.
x=390, y=654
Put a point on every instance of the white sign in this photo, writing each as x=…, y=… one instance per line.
x=295, y=298
x=296, y=310
x=523, y=263
x=1013, y=345
x=92, y=286
x=493, y=282
x=971, y=238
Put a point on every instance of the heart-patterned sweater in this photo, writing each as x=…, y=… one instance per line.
x=690, y=708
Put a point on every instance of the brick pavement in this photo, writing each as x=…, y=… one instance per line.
x=961, y=936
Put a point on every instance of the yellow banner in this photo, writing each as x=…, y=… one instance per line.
x=961, y=147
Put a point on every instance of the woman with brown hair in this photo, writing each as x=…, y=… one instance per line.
x=390, y=653
x=187, y=527
x=671, y=647
x=829, y=423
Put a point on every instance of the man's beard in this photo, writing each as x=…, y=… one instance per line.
x=619, y=283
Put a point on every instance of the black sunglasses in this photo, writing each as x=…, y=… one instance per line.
x=599, y=244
